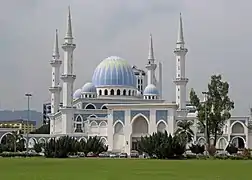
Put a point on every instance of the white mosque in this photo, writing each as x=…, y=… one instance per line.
x=122, y=103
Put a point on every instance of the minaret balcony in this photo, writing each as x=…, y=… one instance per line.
x=55, y=89
x=180, y=50
x=55, y=62
x=66, y=46
x=68, y=77
x=151, y=66
x=181, y=80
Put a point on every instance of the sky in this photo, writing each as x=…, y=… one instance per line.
x=217, y=34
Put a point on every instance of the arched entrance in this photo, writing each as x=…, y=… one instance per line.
x=201, y=141
x=238, y=142
x=118, y=138
x=140, y=128
x=31, y=142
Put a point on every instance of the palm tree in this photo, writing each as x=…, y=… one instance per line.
x=184, y=130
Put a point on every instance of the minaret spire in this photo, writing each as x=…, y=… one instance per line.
x=151, y=66
x=56, y=54
x=69, y=34
x=151, y=52
x=181, y=80
x=180, y=39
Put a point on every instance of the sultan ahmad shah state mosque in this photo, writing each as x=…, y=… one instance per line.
x=122, y=103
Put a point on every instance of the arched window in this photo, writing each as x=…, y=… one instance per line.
x=106, y=92
x=129, y=92
x=118, y=92
x=112, y=92
x=100, y=92
x=124, y=92
x=104, y=107
x=90, y=106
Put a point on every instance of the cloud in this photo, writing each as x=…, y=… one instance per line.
x=217, y=34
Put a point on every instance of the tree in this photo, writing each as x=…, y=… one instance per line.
x=94, y=145
x=217, y=107
x=197, y=148
x=232, y=149
x=184, y=131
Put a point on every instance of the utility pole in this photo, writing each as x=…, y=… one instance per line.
x=28, y=95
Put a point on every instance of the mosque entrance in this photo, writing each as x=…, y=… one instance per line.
x=238, y=142
x=139, y=129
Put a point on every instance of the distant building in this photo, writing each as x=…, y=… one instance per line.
x=19, y=124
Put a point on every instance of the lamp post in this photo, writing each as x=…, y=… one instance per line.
x=28, y=95
x=205, y=94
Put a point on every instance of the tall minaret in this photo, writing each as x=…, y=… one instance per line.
x=55, y=88
x=181, y=80
x=151, y=66
x=68, y=78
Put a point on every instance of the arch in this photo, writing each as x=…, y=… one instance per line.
x=161, y=126
x=222, y=143
x=105, y=92
x=82, y=138
x=237, y=127
x=5, y=135
x=90, y=106
x=93, y=124
x=42, y=140
x=118, y=136
x=100, y=92
x=140, y=124
x=124, y=92
x=118, y=127
x=118, y=92
x=79, y=118
x=92, y=116
x=112, y=92
x=238, y=141
x=104, y=107
x=102, y=124
x=129, y=92
x=201, y=141
x=104, y=140
x=31, y=142
x=78, y=128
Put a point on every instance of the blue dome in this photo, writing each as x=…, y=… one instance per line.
x=151, y=90
x=77, y=94
x=114, y=71
x=88, y=88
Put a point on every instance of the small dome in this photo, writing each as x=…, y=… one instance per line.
x=88, y=88
x=77, y=94
x=114, y=71
x=151, y=89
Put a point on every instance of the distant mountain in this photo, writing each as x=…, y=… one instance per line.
x=6, y=115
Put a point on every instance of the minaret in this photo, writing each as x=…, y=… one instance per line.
x=151, y=66
x=181, y=80
x=68, y=79
x=55, y=88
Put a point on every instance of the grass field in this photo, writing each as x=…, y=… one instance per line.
x=122, y=169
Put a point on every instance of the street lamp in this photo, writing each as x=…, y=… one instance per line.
x=28, y=95
x=205, y=94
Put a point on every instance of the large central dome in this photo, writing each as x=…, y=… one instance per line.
x=114, y=71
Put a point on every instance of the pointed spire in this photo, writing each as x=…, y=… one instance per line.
x=56, y=46
x=69, y=34
x=180, y=39
x=151, y=52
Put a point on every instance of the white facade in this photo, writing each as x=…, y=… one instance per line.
x=123, y=103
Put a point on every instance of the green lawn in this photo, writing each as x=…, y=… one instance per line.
x=122, y=169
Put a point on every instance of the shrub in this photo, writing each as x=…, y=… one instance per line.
x=18, y=154
x=197, y=149
x=37, y=148
x=231, y=149
x=246, y=153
